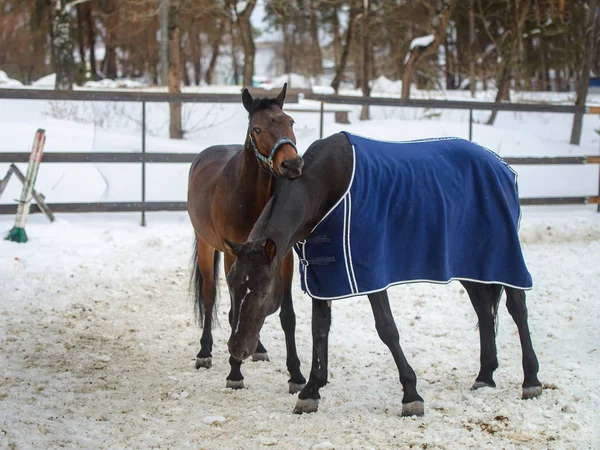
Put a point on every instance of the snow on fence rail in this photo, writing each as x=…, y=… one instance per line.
x=292, y=97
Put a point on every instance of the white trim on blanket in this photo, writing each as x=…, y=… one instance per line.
x=345, y=193
x=349, y=219
x=347, y=260
x=409, y=282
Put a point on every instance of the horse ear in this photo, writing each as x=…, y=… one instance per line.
x=281, y=97
x=233, y=248
x=270, y=249
x=247, y=100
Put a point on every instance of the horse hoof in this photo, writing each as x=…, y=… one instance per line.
x=295, y=387
x=415, y=408
x=306, y=405
x=205, y=363
x=481, y=384
x=531, y=392
x=235, y=384
x=260, y=357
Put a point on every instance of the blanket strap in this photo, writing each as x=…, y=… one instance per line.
x=320, y=261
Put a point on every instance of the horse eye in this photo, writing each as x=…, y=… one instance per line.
x=257, y=130
x=292, y=123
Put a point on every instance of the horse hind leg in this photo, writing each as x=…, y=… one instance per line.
x=412, y=402
x=515, y=303
x=485, y=299
x=205, y=290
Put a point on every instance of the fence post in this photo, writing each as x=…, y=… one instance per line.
x=143, y=163
x=470, y=125
x=321, y=124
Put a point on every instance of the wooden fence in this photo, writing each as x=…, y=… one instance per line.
x=143, y=158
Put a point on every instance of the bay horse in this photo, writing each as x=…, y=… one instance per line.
x=228, y=187
x=429, y=188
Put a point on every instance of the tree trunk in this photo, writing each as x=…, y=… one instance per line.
x=584, y=75
x=408, y=73
x=366, y=89
x=80, y=39
x=341, y=67
x=196, y=47
x=472, y=76
x=503, y=89
x=337, y=39
x=317, y=57
x=288, y=45
x=215, y=49
x=418, y=53
x=111, y=23
x=243, y=21
x=448, y=65
x=91, y=39
x=175, y=128
x=64, y=63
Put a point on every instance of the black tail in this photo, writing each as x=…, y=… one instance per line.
x=498, y=289
x=196, y=283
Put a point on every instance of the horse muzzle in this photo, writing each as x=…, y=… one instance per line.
x=291, y=168
x=242, y=348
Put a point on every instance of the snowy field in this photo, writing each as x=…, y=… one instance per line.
x=97, y=349
x=98, y=341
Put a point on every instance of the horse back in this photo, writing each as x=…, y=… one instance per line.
x=214, y=159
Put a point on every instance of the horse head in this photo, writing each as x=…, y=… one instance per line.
x=271, y=134
x=256, y=288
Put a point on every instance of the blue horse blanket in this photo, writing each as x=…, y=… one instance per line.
x=430, y=210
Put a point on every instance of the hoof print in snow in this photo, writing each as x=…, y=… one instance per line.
x=213, y=420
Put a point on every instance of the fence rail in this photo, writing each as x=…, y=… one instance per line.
x=132, y=157
x=445, y=104
x=139, y=96
x=143, y=206
x=292, y=97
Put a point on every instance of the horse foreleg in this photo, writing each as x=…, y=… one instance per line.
x=485, y=299
x=235, y=379
x=206, y=292
x=412, y=402
x=515, y=302
x=288, y=323
x=308, y=399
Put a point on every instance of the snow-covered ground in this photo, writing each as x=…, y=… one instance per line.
x=97, y=347
x=98, y=341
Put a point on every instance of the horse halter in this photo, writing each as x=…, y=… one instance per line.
x=269, y=161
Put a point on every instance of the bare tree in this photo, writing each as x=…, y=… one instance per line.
x=591, y=26
x=366, y=53
x=242, y=20
x=507, y=46
x=175, y=127
x=418, y=53
x=348, y=35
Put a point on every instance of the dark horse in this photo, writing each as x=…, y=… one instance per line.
x=297, y=207
x=228, y=187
